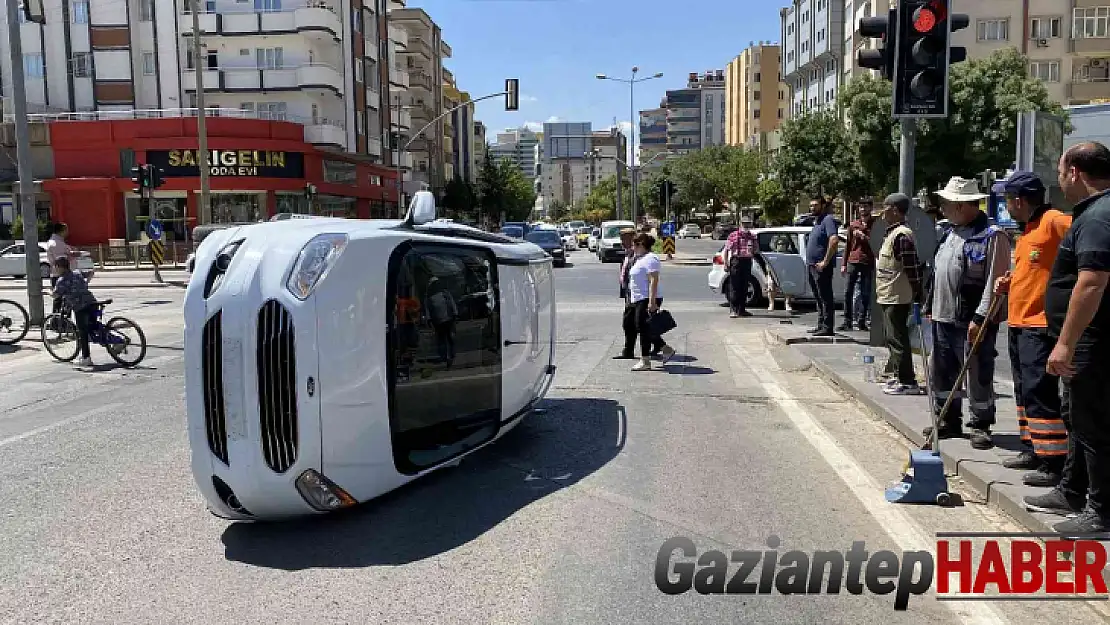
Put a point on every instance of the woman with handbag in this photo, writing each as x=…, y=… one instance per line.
x=645, y=296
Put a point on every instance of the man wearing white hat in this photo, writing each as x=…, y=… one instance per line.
x=970, y=257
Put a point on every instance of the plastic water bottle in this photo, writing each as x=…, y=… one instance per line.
x=869, y=373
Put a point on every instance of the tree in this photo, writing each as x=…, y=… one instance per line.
x=460, y=197
x=716, y=176
x=503, y=190
x=817, y=157
x=979, y=133
x=778, y=210
x=601, y=202
x=558, y=210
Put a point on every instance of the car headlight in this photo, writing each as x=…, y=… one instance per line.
x=313, y=263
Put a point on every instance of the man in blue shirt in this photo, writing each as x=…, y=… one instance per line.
x=821, y=246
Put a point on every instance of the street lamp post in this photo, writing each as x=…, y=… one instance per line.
x=632, y=119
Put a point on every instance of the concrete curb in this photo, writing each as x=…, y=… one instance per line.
x=981, y=470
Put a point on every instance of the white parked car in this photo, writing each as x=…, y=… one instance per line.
x=299, y=403
x=595, y=237
x=13, y=261
x=609, y=246
x=782, y=247
x=690, y=231
x=570, y=240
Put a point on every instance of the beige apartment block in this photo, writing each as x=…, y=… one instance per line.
x=755, y=97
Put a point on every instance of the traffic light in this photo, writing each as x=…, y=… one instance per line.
x=512, y=94
x=139, y=179
x=666, y=192
x=923, y=42
x=882, y=57
x=155, y=177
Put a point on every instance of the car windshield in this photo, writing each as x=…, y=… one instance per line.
x=513, y=231
x=543, y=236
x=612, y=232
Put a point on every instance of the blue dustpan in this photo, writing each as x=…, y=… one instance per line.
x=923, y=482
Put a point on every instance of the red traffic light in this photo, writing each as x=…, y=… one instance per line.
x=924, y=20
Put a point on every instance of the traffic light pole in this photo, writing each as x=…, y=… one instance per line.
x=906, y=156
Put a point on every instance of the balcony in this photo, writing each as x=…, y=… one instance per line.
x=401, y=119
x=1089, y=90
x=416, y=45
x=374, y=147
x=325, y=132
x=399, y=36
x=309, y=76
x=406, y=160
x=398, y=77
x=211, y=80
x=369, y=49
x=1094, y=46
x=373, y=97
x=422, y=80
x=311, y=17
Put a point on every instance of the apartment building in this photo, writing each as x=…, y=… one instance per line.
x=519, y=146
x=812, y=36
x=653, y=137
x=755, y=99
x=421, y=72
x=479, y=147
x=301, y=78
x=696, y=114
x=460, y=130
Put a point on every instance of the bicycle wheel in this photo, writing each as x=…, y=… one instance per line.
x=14, y=322
x=125, y=341
x=59, y=336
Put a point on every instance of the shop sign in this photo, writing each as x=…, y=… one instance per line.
x=243, y=163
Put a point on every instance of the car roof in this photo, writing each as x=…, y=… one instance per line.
x=616, y=223
x=787, y=229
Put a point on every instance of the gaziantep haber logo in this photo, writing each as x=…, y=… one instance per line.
x=977, y=566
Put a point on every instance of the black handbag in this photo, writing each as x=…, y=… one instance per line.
x=661, y=322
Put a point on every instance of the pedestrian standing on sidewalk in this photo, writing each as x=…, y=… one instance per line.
x=821, y=246
x=897, y=289
x=739, y=250
x=1036, y=391
x=1077, y=305
x=646, y=296
x=970, y=258
x=628, y=320
x=858, y=263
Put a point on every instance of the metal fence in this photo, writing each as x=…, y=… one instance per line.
x=136, y=254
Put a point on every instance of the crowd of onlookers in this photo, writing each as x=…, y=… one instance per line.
x=1052, y=294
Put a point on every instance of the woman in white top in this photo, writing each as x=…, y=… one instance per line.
x=645, y=295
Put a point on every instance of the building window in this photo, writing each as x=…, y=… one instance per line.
x=1048, y=71
x=81, y=65
x=754, y=114
x=358, y=74
x=267, y=6
x=148, y=64
x=78, y=12
x=357, y=21
x=780, y=117
x=278, y=111
x=146, y=10
x=755, y=96
x=1044, y=28
x=993, y=30
x=33, y=66
x=756, y=79
x=1090, y=23
x=269, y=58
x=360, y=126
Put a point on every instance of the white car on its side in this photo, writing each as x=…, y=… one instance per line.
x=13, y=261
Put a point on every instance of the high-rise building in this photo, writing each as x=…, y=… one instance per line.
x=294, y=93
x=653, y=137
x=420, y=68
x=479, y=146
x=460, y=130
x=519, y=146
x=696, y=114
x=812, y=52
x=754, y=97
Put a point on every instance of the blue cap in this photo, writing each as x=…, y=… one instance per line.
x=1020, y=183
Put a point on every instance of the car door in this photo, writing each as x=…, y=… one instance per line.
x=12, y=261
x=781, y=250
x=445, y=396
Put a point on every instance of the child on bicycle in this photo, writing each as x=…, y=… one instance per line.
x=72, y=290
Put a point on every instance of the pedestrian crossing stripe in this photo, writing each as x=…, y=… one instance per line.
x=668, y=245
x=157, y=252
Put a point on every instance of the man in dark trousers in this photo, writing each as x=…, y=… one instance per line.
x=740, y=248
x=858, y=263
x=1036, y=391
x=1077, y=305
x=897, y=289
x=821, y=249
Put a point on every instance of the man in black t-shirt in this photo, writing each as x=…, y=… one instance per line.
x=1077, y=305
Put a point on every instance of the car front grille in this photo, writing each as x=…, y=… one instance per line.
x=277, y=386
x=212, y=370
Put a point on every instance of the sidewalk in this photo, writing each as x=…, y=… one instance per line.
x=839, y=362
x=680, y=258
x=118, y=279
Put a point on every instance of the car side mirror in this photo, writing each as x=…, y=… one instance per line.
x=422, y=210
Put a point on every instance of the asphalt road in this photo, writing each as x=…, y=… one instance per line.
x=559, y=522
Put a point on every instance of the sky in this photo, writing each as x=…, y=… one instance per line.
x=556, y=47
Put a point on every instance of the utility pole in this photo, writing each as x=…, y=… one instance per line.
x=23, y=165
x=202, y=128
x=906, y=153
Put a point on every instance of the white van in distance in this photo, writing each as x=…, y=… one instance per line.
x=329, y=361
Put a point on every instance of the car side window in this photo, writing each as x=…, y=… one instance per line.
x=777, y=242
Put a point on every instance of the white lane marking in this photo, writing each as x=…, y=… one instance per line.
x=58, y=424
x=897, y=524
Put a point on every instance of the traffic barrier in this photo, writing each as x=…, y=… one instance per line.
x=668, y=245
x=157, y=252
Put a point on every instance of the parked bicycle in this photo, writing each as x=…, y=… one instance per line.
x=14, y=322
x=121, y=337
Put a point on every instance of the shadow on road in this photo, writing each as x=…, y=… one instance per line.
x=451, y=507
x=681, y=369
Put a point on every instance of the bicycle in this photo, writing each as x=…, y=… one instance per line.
x=14, y=322
x=110, y=335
